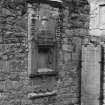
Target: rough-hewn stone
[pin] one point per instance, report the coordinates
(14, 81)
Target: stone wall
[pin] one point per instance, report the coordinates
(14, 80)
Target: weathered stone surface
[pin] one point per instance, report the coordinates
(90, 87)
(14, 81)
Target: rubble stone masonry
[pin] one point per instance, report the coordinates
(14, 79)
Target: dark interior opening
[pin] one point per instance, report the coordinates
(45, 57)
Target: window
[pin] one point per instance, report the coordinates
(102, 16)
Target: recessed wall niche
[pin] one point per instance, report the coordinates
(46, 59)
(44, 27)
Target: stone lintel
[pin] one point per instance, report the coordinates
(53, 3)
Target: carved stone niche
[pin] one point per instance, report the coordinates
(42, 59)
(45, 49)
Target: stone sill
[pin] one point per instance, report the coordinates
(41, 95)
(41, 74)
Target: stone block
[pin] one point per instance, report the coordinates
(14, 77)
